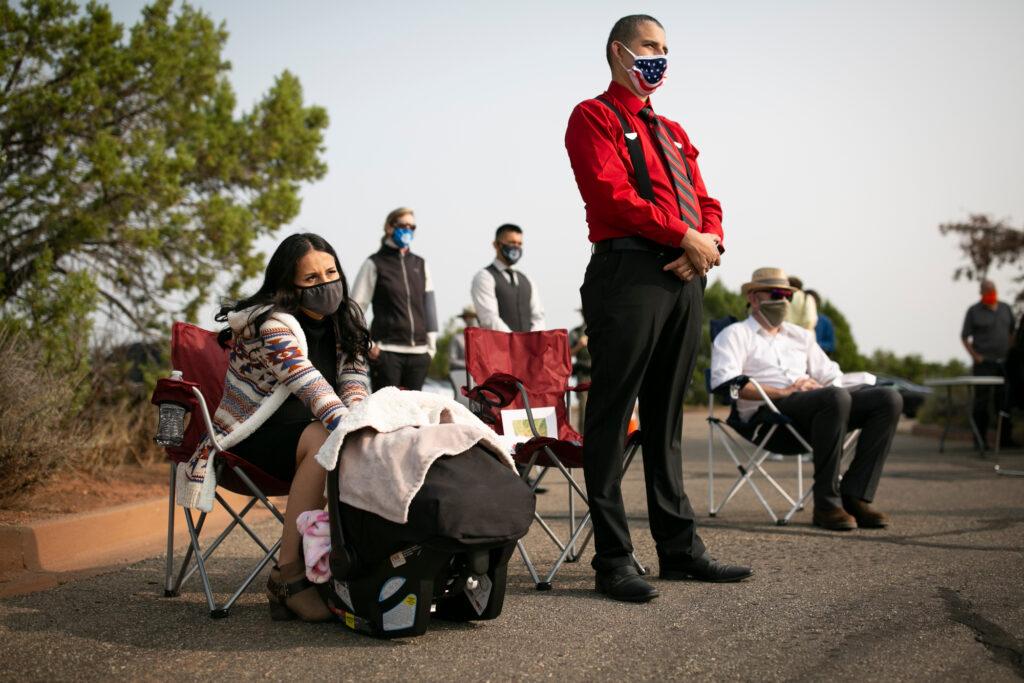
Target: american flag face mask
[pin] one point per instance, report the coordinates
(648, 73)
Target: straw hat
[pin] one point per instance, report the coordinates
(468, 312)
(767, 278)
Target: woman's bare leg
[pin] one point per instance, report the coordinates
(307, 490)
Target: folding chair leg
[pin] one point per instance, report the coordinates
(573, 555)
(796, 508)
(200, 562)
(184, 573)
(800, 480)
(529, 564)
(249, 579)
(169, 591)
(711, 460)
(545, 585)
(223, 534)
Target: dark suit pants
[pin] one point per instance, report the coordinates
(644, 327)
(824, 416)
(405, 370)
(985, 398)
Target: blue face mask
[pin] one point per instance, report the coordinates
(402, 237)
(511, 254)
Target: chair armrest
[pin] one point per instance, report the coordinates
(729, 390)
(497, 391)
(581, 387)
(764, 397)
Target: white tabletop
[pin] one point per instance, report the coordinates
(965, 381)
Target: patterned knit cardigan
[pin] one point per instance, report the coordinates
(264, 368)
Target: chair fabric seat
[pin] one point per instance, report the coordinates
(268, 484)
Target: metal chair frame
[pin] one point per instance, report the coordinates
(568, 548)
(753, 460)
(172, 586)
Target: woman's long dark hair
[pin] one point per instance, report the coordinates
(280, 293)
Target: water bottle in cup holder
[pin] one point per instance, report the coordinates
(170, 429)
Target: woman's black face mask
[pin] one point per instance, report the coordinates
(323, 299)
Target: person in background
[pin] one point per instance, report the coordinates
(397, 284)
(504, 298)
(457, 355)
(987, 335)
(805, 386)
(1015, 371)
(457, 346)
(802, 310)
(580, 365)
(824, 329)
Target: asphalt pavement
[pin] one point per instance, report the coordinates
(937, 596)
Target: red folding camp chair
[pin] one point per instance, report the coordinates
(203, 364)
(530, 371)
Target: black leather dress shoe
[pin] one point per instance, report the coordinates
(624, 583)
(704, 568)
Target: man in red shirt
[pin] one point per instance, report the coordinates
(655, 234)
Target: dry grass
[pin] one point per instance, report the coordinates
(118, 434)
(38, 426)
(43, 429)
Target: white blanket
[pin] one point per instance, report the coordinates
(400, 435)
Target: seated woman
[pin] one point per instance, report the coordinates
(296, 365)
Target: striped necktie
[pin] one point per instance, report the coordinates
(689, 209)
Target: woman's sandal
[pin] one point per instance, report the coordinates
(288, 599)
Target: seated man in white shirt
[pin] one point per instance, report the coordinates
(804, 384)
(504, 298)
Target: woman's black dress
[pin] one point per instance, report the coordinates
(272, 446)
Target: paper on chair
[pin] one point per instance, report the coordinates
(852, 379)
(516, 425)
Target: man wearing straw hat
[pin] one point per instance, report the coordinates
(805, 385)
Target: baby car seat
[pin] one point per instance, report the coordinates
(450, 558)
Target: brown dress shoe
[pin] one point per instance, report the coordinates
(867, 517)
(833, 519)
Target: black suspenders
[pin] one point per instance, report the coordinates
(636, 153)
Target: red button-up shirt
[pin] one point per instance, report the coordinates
(605, 176)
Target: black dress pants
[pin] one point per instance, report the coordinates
(823, 417)
(987, 398)
(644, 327)
(405, 370)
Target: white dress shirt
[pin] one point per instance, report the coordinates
(486, 303)
(362, 293)
(779, 360)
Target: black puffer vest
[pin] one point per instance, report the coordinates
(399, 298)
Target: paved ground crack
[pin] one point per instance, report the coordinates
(1006, 649)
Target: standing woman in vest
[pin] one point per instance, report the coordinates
(397, 284)
(504, 298)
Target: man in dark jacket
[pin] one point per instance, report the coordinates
(987, 335)
(397, 284)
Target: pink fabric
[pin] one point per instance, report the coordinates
(316, 544)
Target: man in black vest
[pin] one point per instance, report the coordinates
(397, 284)
(503, 296)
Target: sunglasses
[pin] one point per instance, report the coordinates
(780, 294)
(407, 226)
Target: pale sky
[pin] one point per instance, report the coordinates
(837, 136)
